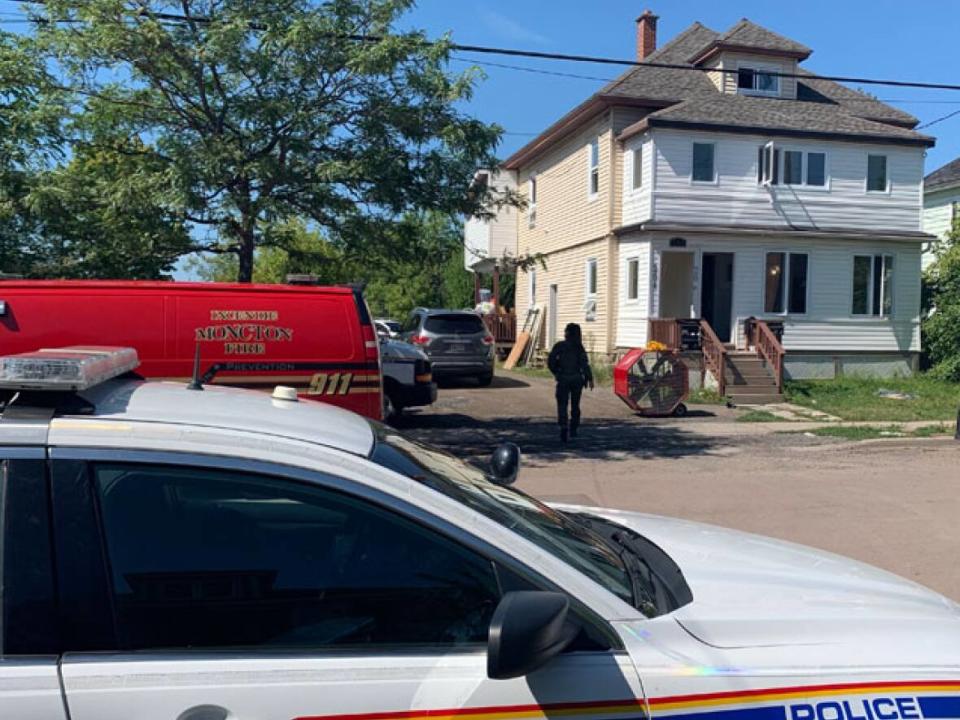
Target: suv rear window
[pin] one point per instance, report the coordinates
(454, 324)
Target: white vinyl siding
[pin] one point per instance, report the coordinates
(496, 237)
(633, 313)
(738, 199)
(636, 205)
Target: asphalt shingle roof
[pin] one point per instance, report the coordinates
(822, 106)
(748, 34)
(946, 176)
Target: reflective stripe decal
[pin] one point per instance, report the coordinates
(616, 708)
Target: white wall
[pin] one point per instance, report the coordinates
(938, 216)
(633, 314)
(737, 198)
(496, 237)
(829, 324)
(637, 204)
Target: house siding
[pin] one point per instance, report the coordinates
(637, 204)
(567, 269)
(633, 314)
(738, 199)
(938, 214)
(727, 81)
(829, 324)
(495, 237)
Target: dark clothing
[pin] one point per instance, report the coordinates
(569, 391)
(570, 366)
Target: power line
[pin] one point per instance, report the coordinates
(939, 120)
(514, 52)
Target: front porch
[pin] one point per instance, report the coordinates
(751, 375)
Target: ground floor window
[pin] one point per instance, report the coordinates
(786, 279)
(873, 285)
(633, 279)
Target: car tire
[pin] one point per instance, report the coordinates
(485, 379)
(392, 409)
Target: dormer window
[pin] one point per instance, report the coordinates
(758, 80)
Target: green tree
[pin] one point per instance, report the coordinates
(102, 215)
(941, 324)
(269, 110)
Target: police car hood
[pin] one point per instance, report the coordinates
(398, 350)
(750, 590)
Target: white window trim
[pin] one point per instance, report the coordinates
(805, 162)
(626, 280)
(866, 176)
(591, 195)
(716, 169)
(586, 279)
(893, 292)
(532, 287)
(763, 68)
(532, 203)
(634, 188)
(786, 286)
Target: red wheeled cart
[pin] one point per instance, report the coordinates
(652, 382)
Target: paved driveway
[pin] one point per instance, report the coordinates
(894, 504)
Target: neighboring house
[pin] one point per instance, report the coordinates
(725, 195)
(941, 203)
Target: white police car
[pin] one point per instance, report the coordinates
(173, 554)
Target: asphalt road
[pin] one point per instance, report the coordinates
(891, 503)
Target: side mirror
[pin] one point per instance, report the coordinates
(528, 629)
(505, 464)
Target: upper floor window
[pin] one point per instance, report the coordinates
(638, 168)
(877, 180)
(790, 167)
(758, 80)
(532, 200)
(873, 285)
(786, 283)
(704, 167)
(593, 168)
(532, 286)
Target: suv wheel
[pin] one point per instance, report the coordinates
(392, 410)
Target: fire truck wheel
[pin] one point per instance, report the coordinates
(680, 410)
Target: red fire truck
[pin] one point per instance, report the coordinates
(320, 340)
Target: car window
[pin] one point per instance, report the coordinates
(454, 324)
(551, 530)
(214, 559)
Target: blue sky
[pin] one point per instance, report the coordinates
(863, 38)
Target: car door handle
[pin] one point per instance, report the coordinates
(206, 712)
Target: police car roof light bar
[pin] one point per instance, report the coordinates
(71, 368)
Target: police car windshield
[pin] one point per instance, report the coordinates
(551, 530)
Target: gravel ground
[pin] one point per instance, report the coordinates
(892, 503)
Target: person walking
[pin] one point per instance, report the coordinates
(570, 367)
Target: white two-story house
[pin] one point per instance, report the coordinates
(720, 181)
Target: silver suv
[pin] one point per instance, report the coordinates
(456, 341)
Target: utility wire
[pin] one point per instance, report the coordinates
(939, 120)
(513, 52)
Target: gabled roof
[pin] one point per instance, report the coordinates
(944, 177)
(678, 97)
(747, 36)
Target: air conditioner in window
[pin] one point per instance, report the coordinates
(590, 310)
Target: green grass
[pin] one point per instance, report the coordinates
(759, 416)
(858, 432)
(602, 372)
(705, 396)
(932, 430)
(853, 398)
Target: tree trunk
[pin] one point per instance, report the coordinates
(245, 254)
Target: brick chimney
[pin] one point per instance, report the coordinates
(646, 34)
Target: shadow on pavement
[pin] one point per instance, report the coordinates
(605, 438)
(499, 383)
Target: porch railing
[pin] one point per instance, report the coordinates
(502, 327)
(714, 356)
(666, 331)
(769, 349)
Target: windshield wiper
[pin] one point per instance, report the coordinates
(640, 574)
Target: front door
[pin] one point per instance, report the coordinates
(261, 597)
(716, 293)
(676, 284)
